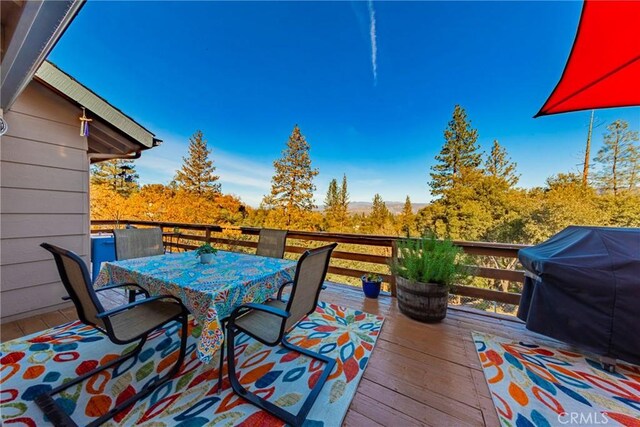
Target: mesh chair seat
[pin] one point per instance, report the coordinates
(122, 325)
(134, 322)
(272, 243)
(269, 322)
(261, 324)
(138, 242)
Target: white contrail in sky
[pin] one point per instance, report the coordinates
(374, 45)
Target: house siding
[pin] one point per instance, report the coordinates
(44, 185)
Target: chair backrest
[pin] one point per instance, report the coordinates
(138, 242)
(75, 278)
(310, 274)
(272, 243)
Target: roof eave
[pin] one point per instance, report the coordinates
(61, 82)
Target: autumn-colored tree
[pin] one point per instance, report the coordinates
(343, 212)
(498, 197)
(230, 209)
(563, 202)
(331, 204)
(621, 211)
(331, 199)
(336, 205)
(292, 184)
(406, 218)
(154, 202)
(618, 159)
(500, 166)
(379, 217)
(633, 171)
(108, 203)
(459, 153)
(197, 174)
(118, 175)
(256, 217)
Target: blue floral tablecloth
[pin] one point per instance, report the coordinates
(209, 291)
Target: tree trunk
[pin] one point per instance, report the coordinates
(614, 172)
(587, 153)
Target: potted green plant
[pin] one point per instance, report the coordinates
(206, 253)
(371, 283)
(424, 269)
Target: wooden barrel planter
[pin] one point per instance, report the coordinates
(426, 302)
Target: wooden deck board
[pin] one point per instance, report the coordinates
(355, 418)
(10, 331)
(418, 375)
(32, 324)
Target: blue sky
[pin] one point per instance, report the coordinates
(371, 85)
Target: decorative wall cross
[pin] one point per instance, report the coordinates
(84, 123)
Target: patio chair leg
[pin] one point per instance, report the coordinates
(221, 364)
(291, 419)
(53, 412)
(59, 418)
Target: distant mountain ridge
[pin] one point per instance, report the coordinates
(394, 207)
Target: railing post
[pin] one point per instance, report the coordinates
(394, 255)
(208, 235)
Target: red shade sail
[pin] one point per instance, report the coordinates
(603, 69)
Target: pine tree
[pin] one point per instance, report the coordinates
(407, 218)
(331, 204)
(459, 153)
(343, 212)
(197, 174)
(336, 205)
(587, 153)
(500, 166)
(456, 179)
(292, 185)
(634, 169)
(332, 195)
(118, 175)
(380, 215)
(617, 158)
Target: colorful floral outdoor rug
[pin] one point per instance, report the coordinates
(39, 362)
(534, 385)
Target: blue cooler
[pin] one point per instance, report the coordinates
(102, 249)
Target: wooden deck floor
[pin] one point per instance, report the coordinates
(419, 374)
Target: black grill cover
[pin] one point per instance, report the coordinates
(587, 289)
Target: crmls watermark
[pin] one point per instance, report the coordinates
(583, 418)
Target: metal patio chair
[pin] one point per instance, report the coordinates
(122, 325)
(269, 322)
(137, 243)
(272, 243)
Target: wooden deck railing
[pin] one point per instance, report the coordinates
(187, 236)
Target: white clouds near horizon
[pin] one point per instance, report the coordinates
(239, 175)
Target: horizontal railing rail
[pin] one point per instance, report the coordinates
(181, 236)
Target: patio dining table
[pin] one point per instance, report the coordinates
(209, 291)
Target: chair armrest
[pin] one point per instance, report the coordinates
(281, 288)
(260, 307)
(129, 306)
